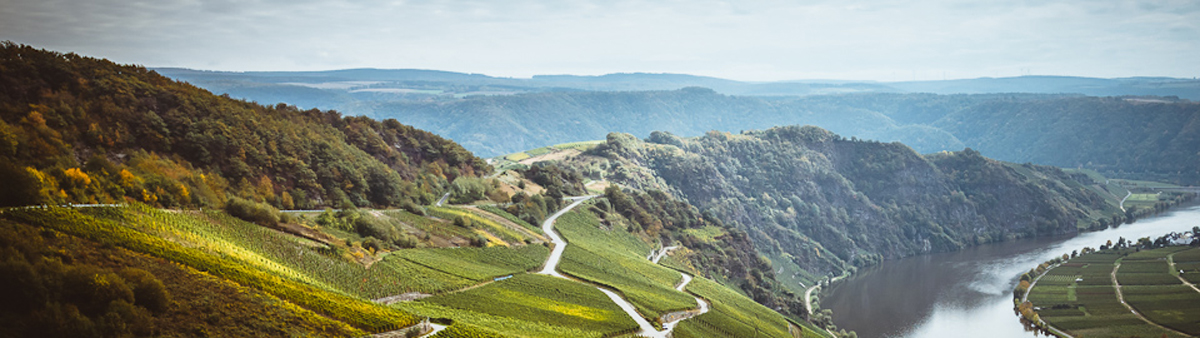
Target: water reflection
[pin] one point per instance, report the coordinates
(966, 293)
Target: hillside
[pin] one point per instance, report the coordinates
(828, 204)
(84, 130)
(139, 206)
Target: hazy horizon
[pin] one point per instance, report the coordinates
(756, 41)
(660, 73)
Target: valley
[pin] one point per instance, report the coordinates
(963, 291)
(135, 205)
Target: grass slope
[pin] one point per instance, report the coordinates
(616, 259)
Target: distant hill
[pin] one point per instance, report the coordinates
(1152, 86)
(451, 84)
(1148, 127)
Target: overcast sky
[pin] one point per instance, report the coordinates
(742, 40)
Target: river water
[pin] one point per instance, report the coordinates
(968, 292)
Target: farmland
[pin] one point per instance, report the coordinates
(1080, 298)
(510, 217)
(500, 235)
(566, 308)
(733, 315)
(131, 228)
(616, 259)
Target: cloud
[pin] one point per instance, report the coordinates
(748, 40)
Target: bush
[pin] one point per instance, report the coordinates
(148, 291)
(372, 244)
(463, 222)
(92, 289)
(258, 213)
(369, 226)
(479, 241)
(412, 207)
(407, 241)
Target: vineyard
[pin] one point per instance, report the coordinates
(615, 259)
(732, 315)
(1079, 296)
(431, 226)
(529, 305)
(119, 227)
(1189, 263)
(294, 269)
(510, 217)
(478, 264)
(491, 227)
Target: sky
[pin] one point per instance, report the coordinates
(748, 40)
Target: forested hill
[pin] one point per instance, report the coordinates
(1148, 136)
(828, 203)
(84, 130)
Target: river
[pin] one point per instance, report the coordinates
(968, 292)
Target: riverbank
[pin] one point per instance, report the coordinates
(1125, 288)
(946, 294)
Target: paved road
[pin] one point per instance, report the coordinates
(436, 328)
(551, 267)
(560, 245)
(663, 252)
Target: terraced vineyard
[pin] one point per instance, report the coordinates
(733, 315)
(615, 259)
(497, 234)
(137, 228)
(478, 264)
(567, 308)
(1079, 296)
(524, 305)
(510, 217)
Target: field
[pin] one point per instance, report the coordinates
(478, 264)
(517, 157)
(497, 233)
(293, 268)
(732, 315)
(563, 308)
(1089, 307)
(510, 217)
(131, 228)
(194, 301)
(1141, 200)
(616, 259)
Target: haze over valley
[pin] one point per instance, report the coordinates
(457, 169)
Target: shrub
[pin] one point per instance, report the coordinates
(258, 213)
(371, 243)
(368, 226)
(148, 291)
(479, 241)
(407, 241)
(463, 222)
(412, 207)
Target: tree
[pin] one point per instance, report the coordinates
(17, 186)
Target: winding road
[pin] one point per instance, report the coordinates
(663, 252)
(560, 246)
